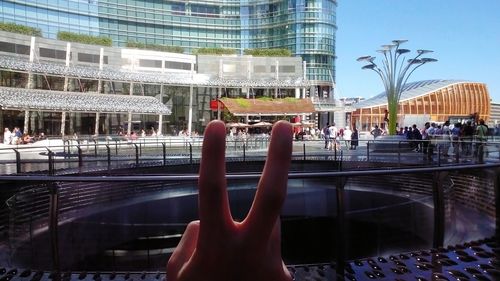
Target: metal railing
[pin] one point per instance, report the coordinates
(106, 154)
(52, 185)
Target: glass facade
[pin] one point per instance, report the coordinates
(305, 27)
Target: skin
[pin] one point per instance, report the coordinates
(218, 248)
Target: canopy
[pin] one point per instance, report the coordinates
(268, 107)
(45, 100)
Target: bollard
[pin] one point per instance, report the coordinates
(116, 147)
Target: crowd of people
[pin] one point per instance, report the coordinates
(335, 137)
(449, 139)
(16, 136)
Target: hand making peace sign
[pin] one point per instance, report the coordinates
(220, 249)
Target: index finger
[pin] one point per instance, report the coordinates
(271, 191)
(213, 200)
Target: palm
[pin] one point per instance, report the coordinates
(217, 247)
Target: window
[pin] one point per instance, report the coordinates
(150, 63)
(51, 53)
(177, 65)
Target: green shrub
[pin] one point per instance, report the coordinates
(85, 39)
(155, 47)
(22, 29)
(268, 52)
(214, 51)
(244, 103)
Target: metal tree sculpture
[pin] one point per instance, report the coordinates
(394, 73)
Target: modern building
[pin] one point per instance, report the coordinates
(430, 100)
(306, 27)
(61, 88)
(495, 114)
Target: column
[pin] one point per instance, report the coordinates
(160, 117)
(68, 57)
(96, 128)
(277, 77)
(129, 125)
(219, 93)
(101, 65)
(26, 121)
(63, 123)
(32, 122)
(190, 109)
(29, 85)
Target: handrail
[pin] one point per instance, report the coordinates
(238, 176)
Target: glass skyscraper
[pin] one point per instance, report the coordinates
(306, 27)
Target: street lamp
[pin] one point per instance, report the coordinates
(394, 73)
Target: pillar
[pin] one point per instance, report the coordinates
(96, 128)
(26, 121)
(190, 110)
(129, 125)
(63, 123)
(101, 65)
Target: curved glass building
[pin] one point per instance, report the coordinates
(306, 27)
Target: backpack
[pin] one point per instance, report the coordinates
(326, 131)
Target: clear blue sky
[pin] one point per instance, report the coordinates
(464, 35)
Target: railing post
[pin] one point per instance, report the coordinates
(51, 161)
(496, 185)
(480, 153)
(116, 147)
(164, 153)
(136, 154)
(95, 147)
(368, 151)
(80, 156)
(108, 151)
(53, 224)
(439, 215)
(18, 161)
(439, 155)
(190, 153)
(304, 150)
(399, 153)
(340, 227)
(244, 152)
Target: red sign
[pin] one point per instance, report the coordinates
(213, 105)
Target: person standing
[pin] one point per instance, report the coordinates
(7, 136)
(326, 134)
(481, 133)
(332, 138)
(354, 138)
(347, 137)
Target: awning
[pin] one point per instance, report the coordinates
(45, 100)
(268, 107)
